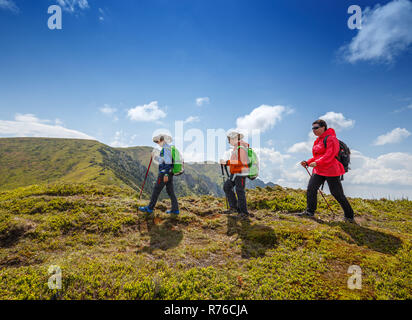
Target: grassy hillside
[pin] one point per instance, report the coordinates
(26, 161)
(108, 251)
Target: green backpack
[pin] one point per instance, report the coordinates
(178, 163)
(253, 163)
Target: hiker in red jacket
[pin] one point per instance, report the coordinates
(326, 167)
(238, 172)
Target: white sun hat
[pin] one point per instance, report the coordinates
(235, 135)
(166, 138)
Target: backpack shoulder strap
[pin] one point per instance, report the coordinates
(324, 141)
(172, 148)
(246, 150)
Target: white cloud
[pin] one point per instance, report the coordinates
(409, 107)
(271, 164)
(9, 5)
(262, 118)
(193, 156)
(102, 14)
(201, 101)
(106, 109)
(28, 118)
(146, 113)
(120, 140)
(302, 147)
(395, 136)
(281, 169)
(28, 125)
(387, 169)
(337, 121)
(334, 120)
(191, 119)
(109, 111)
(294, 177)
(270, 155)
(72, 5)
(386, 32)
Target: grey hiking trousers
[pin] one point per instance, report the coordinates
(170, 191)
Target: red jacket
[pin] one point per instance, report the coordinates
(326, 162)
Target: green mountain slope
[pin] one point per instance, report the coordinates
(106, 250)
(26, 161)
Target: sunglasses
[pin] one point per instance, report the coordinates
(315, 128)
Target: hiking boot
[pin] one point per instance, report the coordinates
(172, 211)
(146, 209)
(349, 220)
(306, 214)
(230, 211)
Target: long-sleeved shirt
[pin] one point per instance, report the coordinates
(165, 159)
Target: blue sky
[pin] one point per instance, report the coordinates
(114, 56)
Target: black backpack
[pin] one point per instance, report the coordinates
(343, 155)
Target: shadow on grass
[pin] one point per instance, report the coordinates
(375, 240)
(162, 234)
(13, 236)
(256, 238)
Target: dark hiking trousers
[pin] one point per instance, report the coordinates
(336, 189)
(238, 204)
(170, 191)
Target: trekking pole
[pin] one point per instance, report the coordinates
(223, 178)
(333, 213)
(141, 190)
(227, 173)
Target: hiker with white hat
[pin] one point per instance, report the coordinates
(238, 164)
(165, 177)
